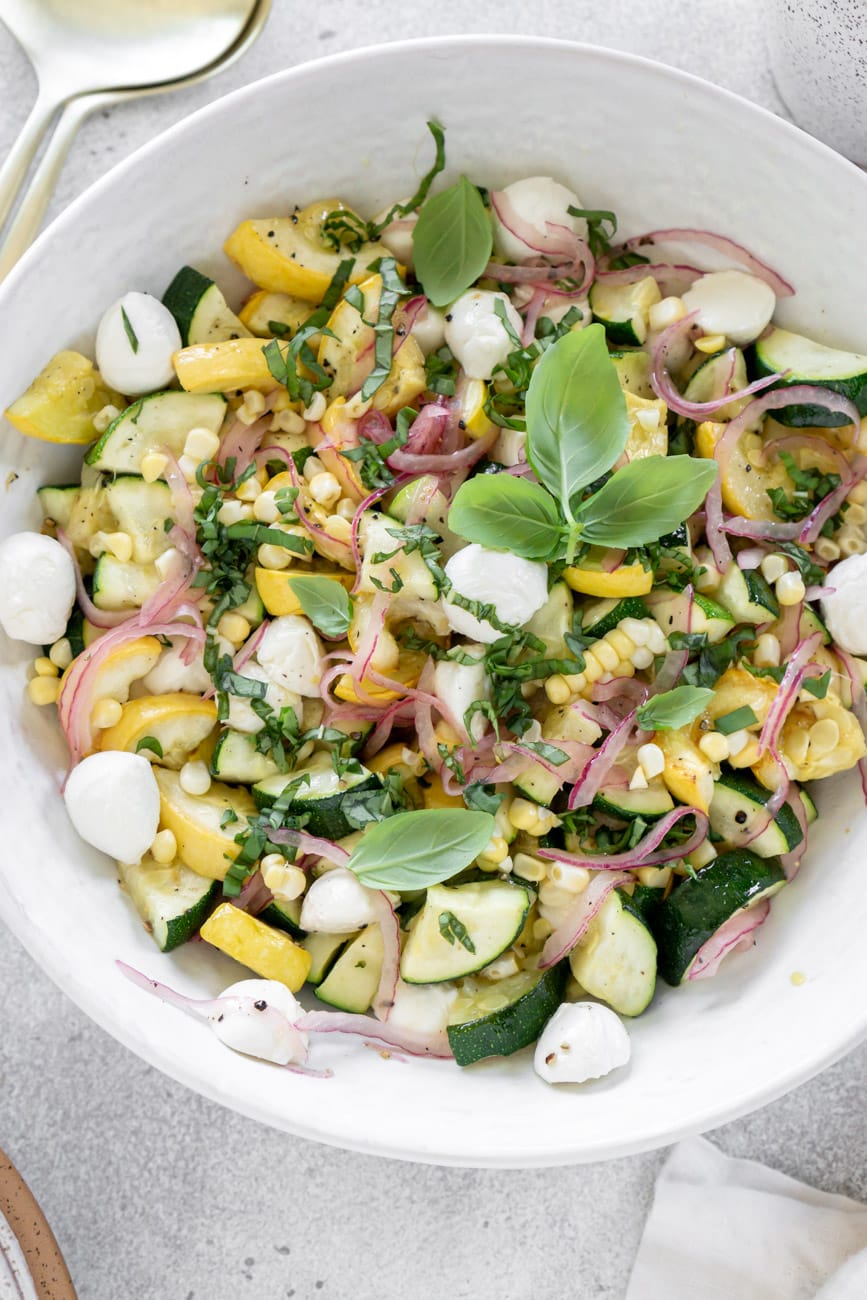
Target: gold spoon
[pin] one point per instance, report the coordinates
(89, 53)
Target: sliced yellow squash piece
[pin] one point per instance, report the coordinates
(204, 845)
(592, 580)
(648, 430)
(688, 775)
(289, 255)
(278, 597)
(224, 367)
(262, 307)
(268, 952)
(60, 404)
(178, 722)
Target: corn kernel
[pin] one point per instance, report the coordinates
(773, 567)
(166, 563)
(767, 652)
(541, 929)
(551, 895)
(265, 508)
(44, 667)
(273, 557)
(737, 740)
(606, 655)
(43, 690)
(153, 464)
(251, 407)
(824, 736)
(642, 657)
(234, 627)
(201, 444)
(652, 760)
(790, 589)
(648, 418)
(60, 653)
(557, 689)
(188, 468)
(636, 629)
(858, 495)
(529, 867)
(851, 542)
(103, 418)
(714, 746)
(665, 313)
(565, 875)
(856, 514)
(523, 814)
(657, 642)
(621, 643)
(797, 745)
(747, 756)
(233, 512)
(638, 781)
(710, 343)
(654, 877)
(502, 967)
(164, 848)
(315, 411)
(826, 548)
(284, 880)
(195, 778)
(312, 466)
(496, 850)
(287, 422)
(249, 489)
(325, 488)
(106, 713)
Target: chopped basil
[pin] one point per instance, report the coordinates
(452, 928)
(151, 743)
(128, 329)
(736, 720)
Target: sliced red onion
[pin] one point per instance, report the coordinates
(797, 669)
(412, 311)
(647, 852)
(375, 426)
(241, 441)
(733, 935)
(389, 927)
(254, 896)
(663, 384)
(405, 1040)
(250, 646)
(791, 861)
(554, 241)
(859, 705)
(751, 557)
(715, 526)
(675, 661)
(577, 921)
(721, 243)
(672, 277)
(592, 779)
(444, 464)
(183, 506)
(315, 845)
(338, 550)
(623, 693)
(794, 394)
(788, 629)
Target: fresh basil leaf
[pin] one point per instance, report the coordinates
(673, 708)
(151, 743)
(645, 499)
(326, 603)
(727, 723)
(484, 798)
(507, 514)
(551, 753)
(415, 849)
(817, 686)
(577, 426)
(452, 242)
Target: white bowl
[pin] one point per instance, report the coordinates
(662, 149)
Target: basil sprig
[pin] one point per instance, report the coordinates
(325, 602)
(451, 242)
(412, 850)
(577, 429)
(674, 708)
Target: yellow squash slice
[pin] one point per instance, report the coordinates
(60, 404)
(178, 722)
(204, 845)
(268, 952)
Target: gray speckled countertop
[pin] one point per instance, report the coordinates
(157, 1194)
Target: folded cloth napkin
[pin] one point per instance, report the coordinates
(726, 1229)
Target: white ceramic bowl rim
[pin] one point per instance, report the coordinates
(110, 1008)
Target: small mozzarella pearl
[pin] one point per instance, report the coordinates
(142, 363)
(114, 803)
(37, 588)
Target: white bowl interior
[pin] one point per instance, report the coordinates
(661, 149)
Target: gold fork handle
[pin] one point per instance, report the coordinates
(23, 151)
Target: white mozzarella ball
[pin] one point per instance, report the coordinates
(458, 685)
(37, 588)
(476, 334)
(843, 610)
(422, 1008)
(536, 200)
(582, 1040)
(170, 673)
(516, 588)
(291, 654)
(137, 359)
(242, 715)
(429, 330)
(733, 303)
(261, 1024)
(337, 903)
(114, 803)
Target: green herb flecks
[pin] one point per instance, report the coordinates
(287, 361)
(129, 331)
(453, 929)
(151, 743)
(737, 720)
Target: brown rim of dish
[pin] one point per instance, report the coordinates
(41, 1251)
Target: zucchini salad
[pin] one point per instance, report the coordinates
(456, 626)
